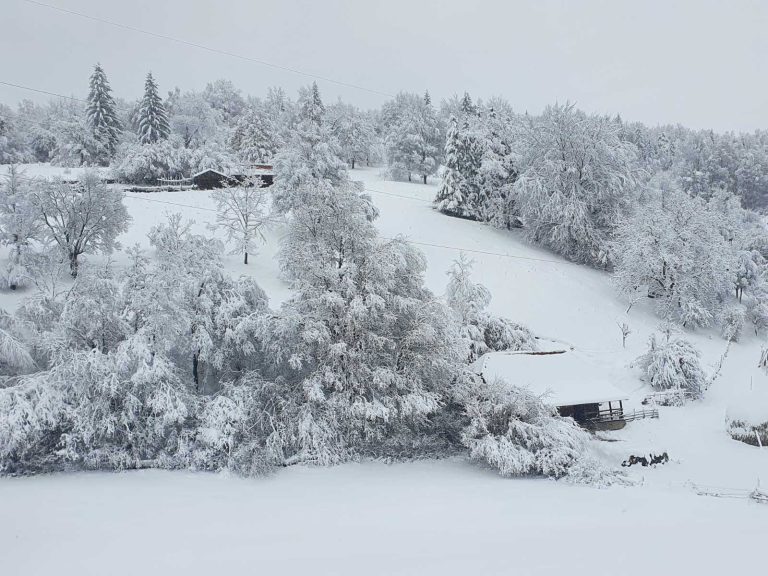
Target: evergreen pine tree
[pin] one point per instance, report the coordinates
(498, 172)
(153, 119)
(467, 107)
(450, 198)
(101, 111)
(469, 159)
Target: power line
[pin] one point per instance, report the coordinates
(207, 48)
(398, 195)
(39, 91)
(409, 241)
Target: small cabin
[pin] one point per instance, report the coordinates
(565, 379)
(211, 179)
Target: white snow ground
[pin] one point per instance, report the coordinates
(430, 517)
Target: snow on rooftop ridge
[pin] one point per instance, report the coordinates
(208, 170)
(562, 377)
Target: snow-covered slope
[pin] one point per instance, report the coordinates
(437, 518)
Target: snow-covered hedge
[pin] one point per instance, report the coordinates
(748, 433)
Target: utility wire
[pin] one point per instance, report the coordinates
(407, 240)
(206, 48)
(39, 91)
(416, 242)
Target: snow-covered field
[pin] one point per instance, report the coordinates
(430, 517)
(372, 519)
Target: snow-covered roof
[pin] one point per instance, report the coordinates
(562, 379)
(208, 170)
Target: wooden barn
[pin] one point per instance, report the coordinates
(565, 379)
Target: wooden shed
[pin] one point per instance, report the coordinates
(210, 179)
(565, 379)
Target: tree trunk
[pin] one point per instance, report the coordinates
(424, 176)
(245, 258)
(17, 258)
(409, 176)
(353, 163)
(195, 374)
(73, 264)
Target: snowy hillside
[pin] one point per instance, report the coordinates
(440, 517)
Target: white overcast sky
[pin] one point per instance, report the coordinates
(702, 63)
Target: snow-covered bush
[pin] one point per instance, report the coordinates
(502, 334)
(516, 433)
(732, 323)
(123, 409)
(240, 428)
(673, 364)
(15, 357)
(748, 433)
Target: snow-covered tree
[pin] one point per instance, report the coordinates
(76, 144)
(137, 163)
(152, 117)
(673, 364)
(671, 250)
(222, 95)
(92, 317)
(254, 139)
(576, 178)
(498, 171)
(241, 212)
(354, 131)
(480, 331)
(364, 347)
(311, 160)
(101, 111)
(412, 136)
(12, 146)
(450, 196)
(80, 218)
(19, 225)
(193, 119)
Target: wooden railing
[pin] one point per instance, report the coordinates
(617, 415)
